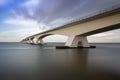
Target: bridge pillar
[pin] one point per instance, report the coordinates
(75, 41)
(30, 40)
(39, 41)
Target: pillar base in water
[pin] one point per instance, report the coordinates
(67, 47)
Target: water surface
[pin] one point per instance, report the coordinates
(34, 62)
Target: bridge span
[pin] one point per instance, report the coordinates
(78, 31)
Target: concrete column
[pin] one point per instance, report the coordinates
(39, 41)
(75, 41)
(30, 40)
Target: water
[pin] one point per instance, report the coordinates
(34, 62)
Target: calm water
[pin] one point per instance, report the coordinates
(33, 62)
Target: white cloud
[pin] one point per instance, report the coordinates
(103, 34)
(21, 21)
(28, 28)
(31, 3)
(56, 38)
(18, 34)
(111, 36)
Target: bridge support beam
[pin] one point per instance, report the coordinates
(75, 41)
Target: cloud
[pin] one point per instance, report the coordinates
(29, 8)
(27, 28)
(30, 3)
(17, 34)
(110, 36)
(35, 16)
(21, 21)
(103, 34)
(25, 22)
(52, 13)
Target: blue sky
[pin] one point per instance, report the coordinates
(22, 18)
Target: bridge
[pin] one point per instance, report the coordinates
(78, 31)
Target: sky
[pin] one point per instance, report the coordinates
(22, 18)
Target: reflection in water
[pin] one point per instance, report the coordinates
(47, 63)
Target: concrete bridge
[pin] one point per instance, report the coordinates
(78, 31)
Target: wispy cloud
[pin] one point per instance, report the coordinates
(17, 34)
(31, 3)
(110, 36)
(29, 27)
(54, 13)
(21, 21)
(38, 15)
